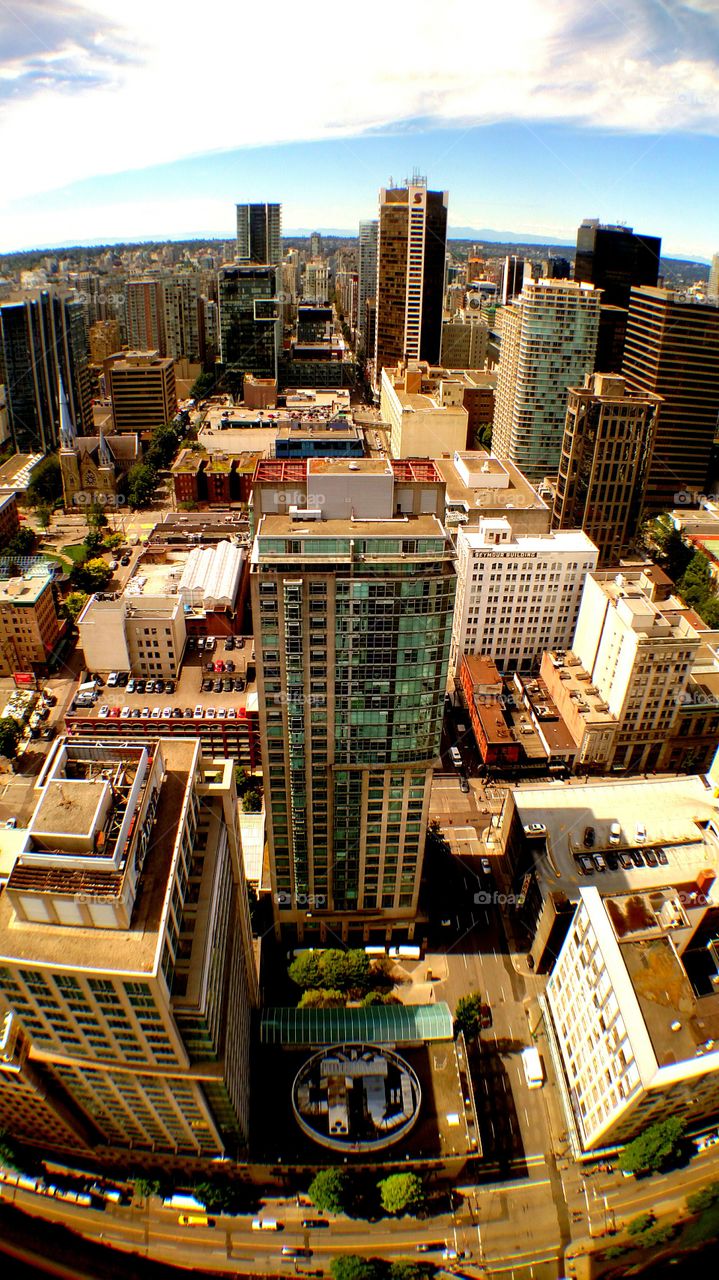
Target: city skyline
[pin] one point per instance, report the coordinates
(571, 117)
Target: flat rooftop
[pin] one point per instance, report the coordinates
(676, 813)
(518, 494)
(415, 470)
(349, 466)
(17, 471)
(27, 587)
(677, 1021)
(132, 950)
(283, 526)
(578, 686)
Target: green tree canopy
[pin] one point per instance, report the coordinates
(22, 543)
(9, 737)
(96, 518)
(332, 1191)
(354, 1267)
(141, 482)
(46, 481)
(468, 1014)
(642, 1222)
(93, 575)
(75, 603)
(401, 1193)
(202, 386)
(305, 970)
(252, 802)
(146, 1186)
(324, 999)
(654, 1148)
(220, 1196)
(704, 1198)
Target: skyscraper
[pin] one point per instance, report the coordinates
(352, 597)
(614, 259)
(126, 956)
(548, 343)
(181, 316)
(250, 319)
(367, 274)
(672, 350)
(411, 248)
(43, 341)
(145, 316)
(605, 458)
(259, 233)
(713, 284)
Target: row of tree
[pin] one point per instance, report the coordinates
(331, 977)
(142, 478)
(350, 1192)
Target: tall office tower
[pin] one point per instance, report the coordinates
(556, 268)
(250, 319)
(259, 233)
(145, 316)
(126, 956)
(411, 248)
(181, 316)
(367, 274)
(713, 285)
(606, 453)
(352, 597)
(548, 342)
(42, 341)
(465, 341)
(315, 244)
(614, 259)
(104, 338)
(514, 272)
(142, 389)
(209, 332)
(316, 281)
(672, 350)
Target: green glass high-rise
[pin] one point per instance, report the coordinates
(353, 621)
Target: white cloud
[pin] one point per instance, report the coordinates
(155, 82)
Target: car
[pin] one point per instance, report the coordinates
(125, 713)
(650, 858)
(636, 857)
(626, 861)
(485, 1017)
(169, 686)
(219, 665)
(231, 713)
(612, 861)
(217, 686)
(140, 686)
(706, 1141)
(229, 643)
(663, 859)
(195, 1220)
(156, 713)
(150, 686)
(589, 837)
(207, 686)
(586, 865)
(132, 686)
(49, 697)
(599, 863)
(456, 757)
(209, 666)
(615, 833)
(463, 783)
(229, 666)
(122, 678)
(535, 829)
(449, 1253)
(486, 868)
(167, 713)
(104, 713)
(114, 565)
(312, 1224)
(177, 713)
(125, 560)
(187, 713)
(192, 642)
(114, 713)
(210, 643)
(226, 686)
(266, 1224)
(145, 713)
(289, 1251)
(199, 712)
(641, 833)
(135, 713)
(240, 684)
(48, 733)
(112, 680)
(200, 643)
(222, 713)
(240, 642)
(210, 713)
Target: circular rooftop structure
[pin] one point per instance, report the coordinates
(356, 1097)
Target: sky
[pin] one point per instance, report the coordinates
(150, 119)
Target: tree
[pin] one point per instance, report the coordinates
(379, 997)
(642, 1222)
(483, 436)
(357, 964)
(410, 1271)
(305, 970)
(147, 1186)
(9, 1152)
(22, 543)
(252, 802)
(75, 603)
(333, 969)
(468, 1014)
(44, 515)
(324, 999)
(653, 1148)
(220, 1196)
(141, 482)
(96, 518)
(332, 1191)
(93, 541)
(9, 737)
(353, 1267)
(401, 1193)
(704, 1198)
(91, 576)
(46, 482)
(202, 386)
(111, 541)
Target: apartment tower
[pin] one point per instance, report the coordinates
(259, 233)
(43, 341)
(411, 250)
(352, 596)
(145, 316)
(548, 344)
(614, 259)
(605, 458)
(672, 351)
(368, 232)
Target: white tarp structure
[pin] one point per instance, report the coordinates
(211, 576)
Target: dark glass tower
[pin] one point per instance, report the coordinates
(43, 340)
(250, 320)
(614, 259)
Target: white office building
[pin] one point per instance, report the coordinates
(517, 596)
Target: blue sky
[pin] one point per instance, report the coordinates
(532, 118)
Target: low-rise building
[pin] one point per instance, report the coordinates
(31, 630)
(423, 424)
(482, 487)
(482, 692)
(213, 479)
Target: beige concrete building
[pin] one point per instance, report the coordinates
(465, 341)
(104, 339)
(481, 487)
(126, 958)
(422, 425)
(30, 628)
(142, 389)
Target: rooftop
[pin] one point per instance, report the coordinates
(418, 470)
(284, 526)
(17, 471)
(26, 587)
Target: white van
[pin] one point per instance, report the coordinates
(456, 757)
(266, 1224)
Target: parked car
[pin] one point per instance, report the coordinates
(132, 686)
(104, 712)
(207, 685)
(200, 643)
(169, 686)
(217, 686)
(485, 865)
(663, 859)
(626, 861)
(599, 862)
(535, 829)
(135, 713)
(125, 560)
(177, 713)
(229, 643)
(586, 865)
(612, 861)
(239, 685)
(167, 713)
(615, 833)
(210, 643)
(145, 713)
(226, 686)
(650, 858)
(229, 666)
(125, 713)
(122, 678)
(311, 1224)
(636, 857)
(210, 713)
(199, 712)
(187, 713)
(114, 713)
(156, 713)
(589, 837)
(219, 665)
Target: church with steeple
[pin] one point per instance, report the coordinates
(93, 467)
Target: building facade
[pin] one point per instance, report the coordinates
(250, 320)
(465, 341)
(368, 232)
(352, 616)
(43, 342)
(422, 423)
(604, 462)
(548, 344)
(142, 390)
(30, 628)
(411, 249)
(145, 316)
(614, 259)
(259, 233)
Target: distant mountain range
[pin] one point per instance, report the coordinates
(453, 233)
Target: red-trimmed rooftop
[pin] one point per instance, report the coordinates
(278, 470)
(416, 469)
